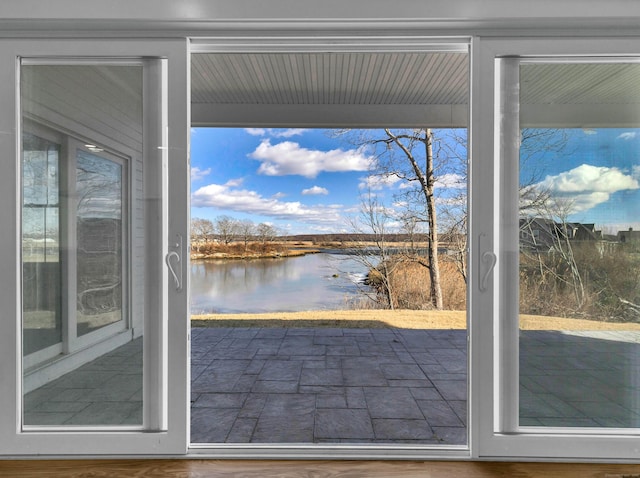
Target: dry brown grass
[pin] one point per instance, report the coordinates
(405, 319)
(252, 250)
(409, 282)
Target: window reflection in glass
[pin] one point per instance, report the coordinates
(579, 288)
(99, 239)
(41, 244)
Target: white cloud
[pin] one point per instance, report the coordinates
(315, 190)
(197, 173)
(378, 182)
(587, 186)
(226, 196)
(276, 133)
(452, 181)
(288, 158)
(234, 183)
(288, 133)
(627, 136)
(589, 131)
(256, 131)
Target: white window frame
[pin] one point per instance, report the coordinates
(166, 141)
(496, 430)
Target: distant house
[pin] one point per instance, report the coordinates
(628, 236)
(543, 234)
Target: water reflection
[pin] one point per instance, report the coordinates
(312, 282)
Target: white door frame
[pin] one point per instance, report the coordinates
(166, 380)
(495, 383)
(309, 117)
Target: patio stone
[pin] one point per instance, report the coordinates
(255, 366)
(404, 371)
(363, 377)
(384, 402)
(211, 425)
(401, 429)
(321, 377)
(287, 405)
(47, 418)
(242, 430)
(253, 406)
(104, 413)
(275, 386)
(428, 393)
(321, 389)
(281, 370)
(451, 435)
(271, 332)
(410, 383)
(355, 397)
(275, 429)
(460, 408)
(343, 423)
(209, 381)
(245, 383)
(452, 389)
(439, 414)
(331, 401)
(220, 400)
(294, 385)
(59, 407)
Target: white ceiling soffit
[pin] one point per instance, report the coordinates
(364, 89)
(584, 94)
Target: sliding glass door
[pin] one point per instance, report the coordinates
(566, 371)
(93, 220)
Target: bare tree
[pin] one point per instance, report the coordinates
(266, 232)
(227, 229)
(202, 229)
(536, 144)
(556, 211)
(246, 230)
(373, 223)
(415, 164)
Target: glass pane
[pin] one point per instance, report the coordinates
(82, 341)
(40, 245)
(99, 237)
(579, 245)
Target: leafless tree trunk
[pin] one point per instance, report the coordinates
(246, 230)
(426, 179)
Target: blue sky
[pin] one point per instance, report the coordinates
(308, 181)
(301, 180)
(598, 170)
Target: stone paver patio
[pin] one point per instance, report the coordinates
(322, 385)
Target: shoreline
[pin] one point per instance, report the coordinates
(195, 256)
(407, 319)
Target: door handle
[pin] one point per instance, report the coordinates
(177, 255)
(487, 262)
(167, 259)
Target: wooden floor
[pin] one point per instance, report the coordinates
(315, 469)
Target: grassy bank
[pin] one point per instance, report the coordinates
(406, 319)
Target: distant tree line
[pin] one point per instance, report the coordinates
(226, 230)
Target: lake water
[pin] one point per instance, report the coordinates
(275, 285)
